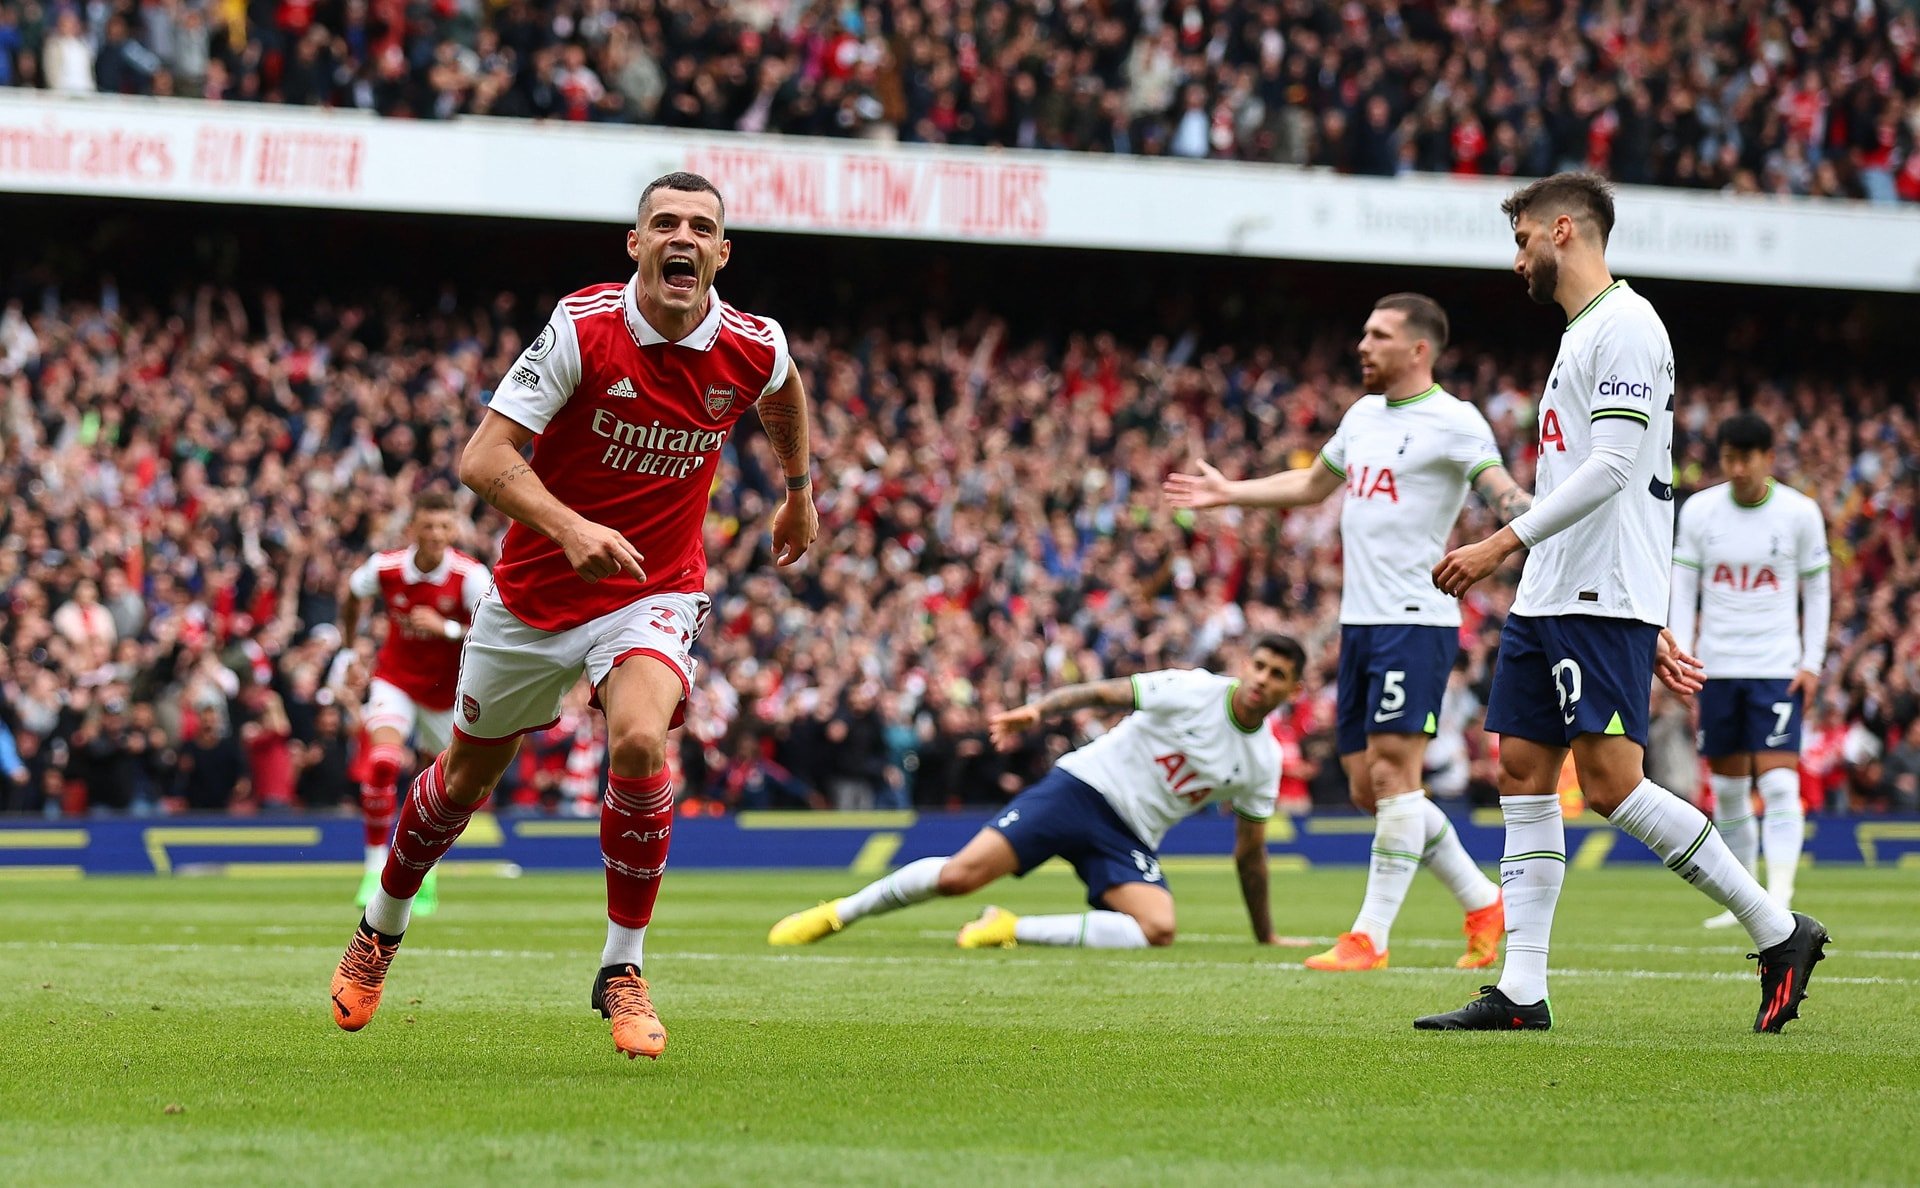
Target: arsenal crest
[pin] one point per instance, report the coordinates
(719, 400)
(469, 708)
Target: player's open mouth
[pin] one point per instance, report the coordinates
(678, 274)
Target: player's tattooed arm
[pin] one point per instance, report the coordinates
(1006, 727)
(783, 417)
(1250, 862)
(1500, 492)
(492, 466)
(499, 482)
(1115, 694)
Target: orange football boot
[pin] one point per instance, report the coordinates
(361, 975)
(1353, 952)
(620, 994)
(1484, 929)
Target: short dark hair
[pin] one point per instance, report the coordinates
(432, 501)
(689, 183)
(1582, 195)
(1284, 646)
(1745, 431)
(1424, 316)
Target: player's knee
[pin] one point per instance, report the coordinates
(637, 751)
(1604, 792)
(383, 767)
(959, 878)
(1516, 779)
(1159, 932)
(1384, 778)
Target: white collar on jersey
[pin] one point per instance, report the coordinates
(701, 339)
(411, 570)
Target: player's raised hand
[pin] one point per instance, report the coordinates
(427, 620)
(1206, 489)
(1006, 727)
(796, 524)
(597, 552)
(1677, 670)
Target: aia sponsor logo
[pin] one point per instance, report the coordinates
(1745, 578)
(720, 398)
(1369, 482)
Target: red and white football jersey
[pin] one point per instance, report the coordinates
(424, 666)
(630, 428)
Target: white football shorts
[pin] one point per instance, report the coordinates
(388, 707)
(513, 677)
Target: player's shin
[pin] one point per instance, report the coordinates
(379, 799)
(1783, 832)
(1091, 930)
(1450, 863)
(636, 827)
(1686, 841)
(430, 822)
(1532, 870)
(1398, 838)
(916, 882)
(1733, 817)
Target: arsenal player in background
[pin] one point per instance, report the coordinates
(429, 592)
(626, 397)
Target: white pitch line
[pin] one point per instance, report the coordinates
(1433, 943)
(1107, 960)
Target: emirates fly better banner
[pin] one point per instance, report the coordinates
(192, 151)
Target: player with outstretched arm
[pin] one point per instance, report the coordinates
(1406, 455)
(1193, 738)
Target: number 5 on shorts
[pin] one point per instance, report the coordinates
(1393, 695)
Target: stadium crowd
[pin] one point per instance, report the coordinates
(1747, 96)
(184, 489)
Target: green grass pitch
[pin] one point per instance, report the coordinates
(176, 1031)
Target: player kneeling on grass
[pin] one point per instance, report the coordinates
(1193, 738)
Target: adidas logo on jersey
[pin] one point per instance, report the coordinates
(621, 387)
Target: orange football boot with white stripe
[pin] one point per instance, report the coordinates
(1484, 929)
(1352, 953)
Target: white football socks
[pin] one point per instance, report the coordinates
(1686, 841)
(1531, 873)
(376, 856)
(388, 915)
(916, 882)
(1399, 835)
(1450, 862)
(1092, 930)
(625, 946)
(1733, 817)
(1783, 831)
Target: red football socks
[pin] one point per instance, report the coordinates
(636, 825)
(429, 825)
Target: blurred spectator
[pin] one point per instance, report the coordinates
(183, 487)
(1744, 96)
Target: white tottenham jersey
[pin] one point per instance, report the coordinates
(1408, 464)
(1180, 749)
(1615, 361)
(1751, 561)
